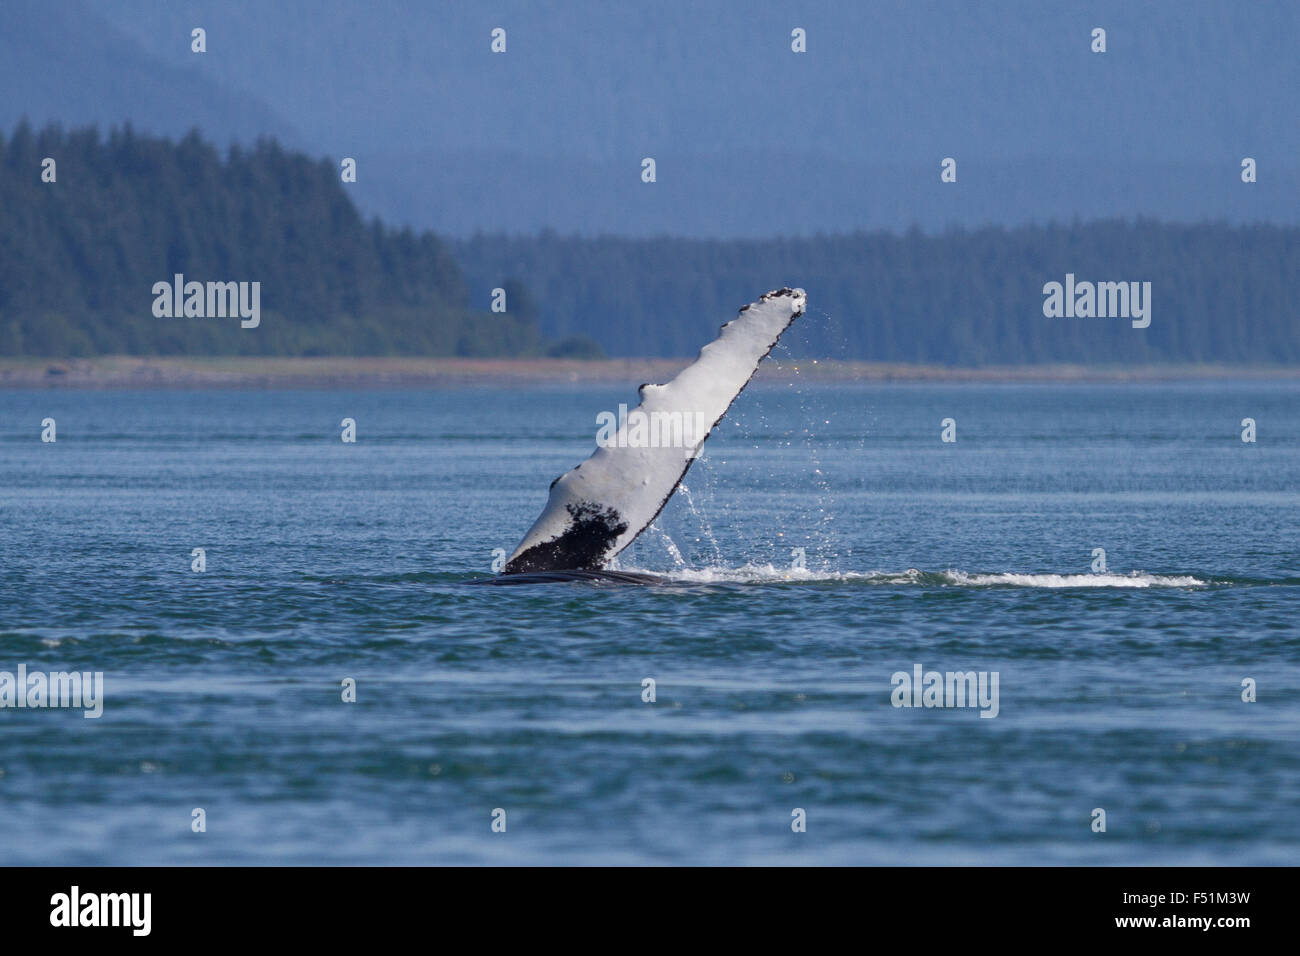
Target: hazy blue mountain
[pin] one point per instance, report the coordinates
(62, 61)
(750, 138)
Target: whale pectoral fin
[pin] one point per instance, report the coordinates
(596, 511)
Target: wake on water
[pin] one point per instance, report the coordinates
(770, 574)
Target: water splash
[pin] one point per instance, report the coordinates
(706, 529)
(656, 533)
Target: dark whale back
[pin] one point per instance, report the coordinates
(592, 577)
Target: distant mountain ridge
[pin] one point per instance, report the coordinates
(64, 62)
(845, 137)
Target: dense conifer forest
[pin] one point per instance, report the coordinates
(80, 256)
(967, 298)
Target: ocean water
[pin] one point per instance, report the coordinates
(325, 561)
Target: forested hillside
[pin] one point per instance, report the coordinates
(1218, 293)
(79, 255)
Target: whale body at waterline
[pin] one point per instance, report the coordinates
(600, 507)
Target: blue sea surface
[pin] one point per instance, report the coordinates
(1119, 690)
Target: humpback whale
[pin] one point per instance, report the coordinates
(600, 507)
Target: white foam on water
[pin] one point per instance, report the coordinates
(1134, 579)
(769, 574)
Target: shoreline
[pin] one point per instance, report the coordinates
(240, 372)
